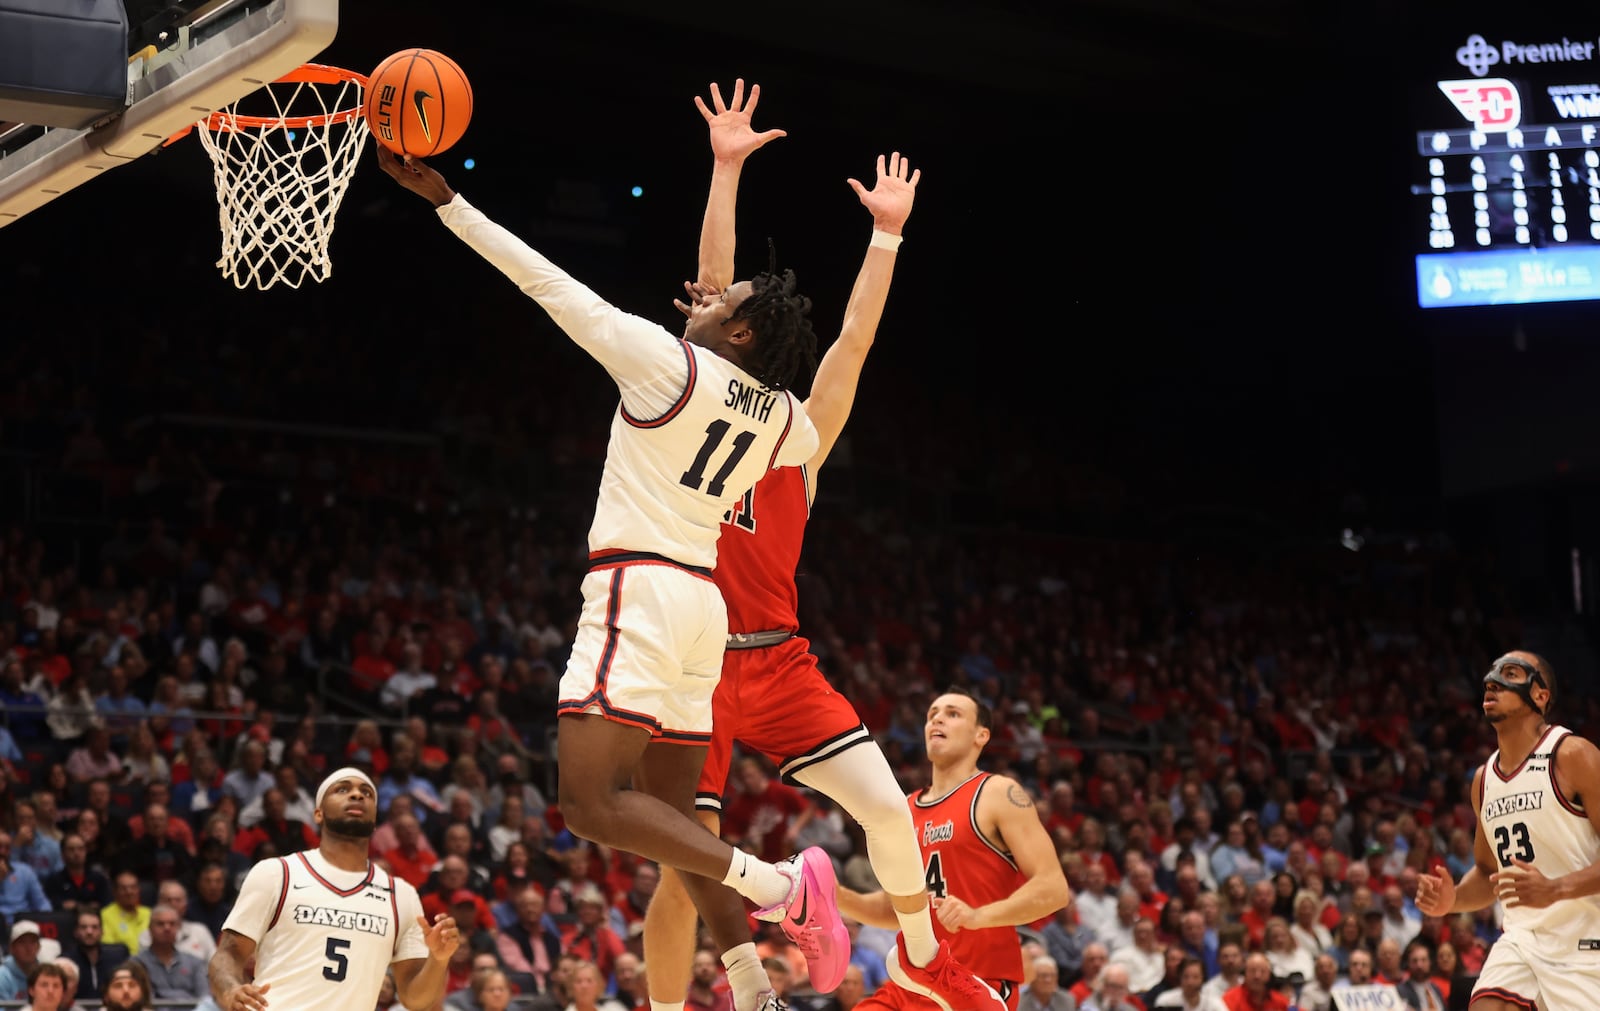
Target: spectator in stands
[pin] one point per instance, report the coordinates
(1308, 931)
(24, 707)
(94, 959)
(1418, 989)
(69, 972)
(408, 683)
(194, 937)
(48, 810)
(458, 846)
(491, 990)
(174, 974)
(1113, 992)
(764, 815)
(1255, 993)
(1288, 959)
(249, 779)
(47, 988)
(1095, 957)
(120, 710)
(409, 858)
(589, 936)
(1065, 939)
(530, 946)
(629, 907)
(704, 995)
(31, 846)
(212, 899)
(460, 812)
(157, 855)
(114, 834)
(1144, 957)
(216, 847)
(1399, 922)
(1230, 970)
(1044, 992)
(449, 880)
(128, 989)
(1388, 962)
(402, 778)
(70, 715)
(507, 828)
(1317, 994)
(142, 761)
(76, 885)
(169, 715)
(93, 758)
(196, 798)
(1255, 916)
(631, 989)
(23, 958)
(198, 644)
(20, 890)
(179, 831)
(125, 919)
(1233, 856)
(287, 835)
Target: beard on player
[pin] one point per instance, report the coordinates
(350, 828)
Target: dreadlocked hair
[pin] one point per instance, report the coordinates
(786, 346)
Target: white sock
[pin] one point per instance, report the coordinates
(661, 1005)
(747, 977)
(757, 880)
(917, 929)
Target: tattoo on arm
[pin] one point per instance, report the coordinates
(1018, 796)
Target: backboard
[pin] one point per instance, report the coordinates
(215, 52)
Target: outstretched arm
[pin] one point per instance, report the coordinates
(833, 389)
(732, 141)
(644, 358)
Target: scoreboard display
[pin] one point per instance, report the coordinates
(1505, 182)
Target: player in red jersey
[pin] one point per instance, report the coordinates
(772, 696)
(991, 865)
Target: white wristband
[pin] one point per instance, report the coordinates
(883, 240)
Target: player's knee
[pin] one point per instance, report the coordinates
(585, 807)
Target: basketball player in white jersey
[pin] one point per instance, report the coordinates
(1537, 848)
(700, 421)
(324, 925)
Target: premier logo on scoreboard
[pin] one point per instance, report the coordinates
(1478, 56)
(1492, 104)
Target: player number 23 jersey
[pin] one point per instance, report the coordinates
(1526, 817)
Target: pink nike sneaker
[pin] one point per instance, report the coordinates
(944, 981)
(810, 917)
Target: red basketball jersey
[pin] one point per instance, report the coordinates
(963, 862)
(759, 551)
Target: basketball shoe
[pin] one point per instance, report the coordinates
(810, 917)
(944, 981)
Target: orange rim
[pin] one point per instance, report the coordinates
(309, 73)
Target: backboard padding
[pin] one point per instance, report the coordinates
(184, 88)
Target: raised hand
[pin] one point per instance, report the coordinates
(699, 294)
(443, 938)
(732, 137)
(415, 176)
(892, 194)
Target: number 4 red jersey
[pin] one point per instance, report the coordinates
(759, 551)
(963, 862)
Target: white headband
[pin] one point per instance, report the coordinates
(348, 772)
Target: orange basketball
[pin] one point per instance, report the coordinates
(418, 102)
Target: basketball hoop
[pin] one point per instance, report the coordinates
(281, 175)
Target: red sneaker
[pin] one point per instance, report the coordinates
(944, 981)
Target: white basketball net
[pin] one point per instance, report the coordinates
(279, 186)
